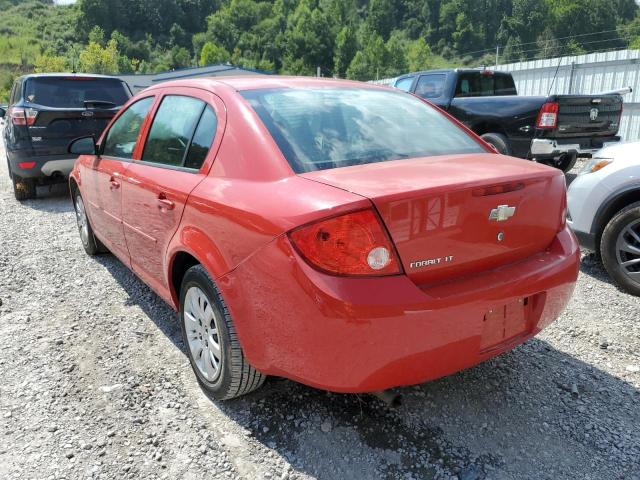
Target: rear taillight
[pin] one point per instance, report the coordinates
(563, 211)
(23, 116)
(548, 116)
(351, 244)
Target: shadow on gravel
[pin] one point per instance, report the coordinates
(530, 410)
(592, 266)
(51, 199)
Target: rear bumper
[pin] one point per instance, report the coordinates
(44, 166)
(360, 335)
(586, 240)
(552, 148)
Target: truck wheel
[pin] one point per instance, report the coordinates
(620, 248)
(566, 162)
(23, 188)
(499, 141)
(211, 340)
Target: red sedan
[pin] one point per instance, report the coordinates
(347, 236)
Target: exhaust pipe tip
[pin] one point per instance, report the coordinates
(392, 399)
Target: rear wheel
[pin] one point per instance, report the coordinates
(566, 162)
(91, 244)
(211, 341)
(23, 188)
(620, 248)
(499, 142)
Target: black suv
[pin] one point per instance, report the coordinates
(46, 112)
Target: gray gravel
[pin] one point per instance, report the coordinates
(95, 384)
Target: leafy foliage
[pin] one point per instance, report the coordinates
(361, 39)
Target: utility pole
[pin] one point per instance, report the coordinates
(497, 54)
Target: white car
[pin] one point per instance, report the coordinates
(604, 211)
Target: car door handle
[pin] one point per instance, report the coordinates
(165, 204)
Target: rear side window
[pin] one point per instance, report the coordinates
(202, 139)
(123, 134)
(16, 95)
(479, 84)
(322, 128)
(76, 92)
(172, 130)
(404, 84)
(503, 85)
(431, 86)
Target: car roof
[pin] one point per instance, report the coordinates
(251, 82)
(67, 75)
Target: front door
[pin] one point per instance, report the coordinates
(157, 186)
(106, 173)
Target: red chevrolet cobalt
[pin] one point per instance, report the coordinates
(344, 235)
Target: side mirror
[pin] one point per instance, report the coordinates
(84, 146)
(3, 111)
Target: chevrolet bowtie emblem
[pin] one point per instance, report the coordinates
(502, 213)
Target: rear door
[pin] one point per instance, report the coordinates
(103, 176)
(176, 157)
(67, 107)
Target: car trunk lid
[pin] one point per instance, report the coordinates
(454, 215)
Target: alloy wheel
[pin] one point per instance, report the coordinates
(81, 218)
(201, 325)
(628, 250)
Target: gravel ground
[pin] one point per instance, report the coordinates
(95, 383)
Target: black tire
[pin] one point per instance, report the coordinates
(566, 162)
(235, 376)
(23, 188)
(611, 255)
(499, 141)
(91, 244)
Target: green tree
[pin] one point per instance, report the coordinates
(419, 56)
(345, 49)
(49, 62)
(96, 35)
(212, 54)
(97, 59)
(371, 61)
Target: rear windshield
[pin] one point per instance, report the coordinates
(321, 128)
(73, 92)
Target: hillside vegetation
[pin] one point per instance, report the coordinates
(347, 38)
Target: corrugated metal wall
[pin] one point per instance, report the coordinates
(592, 73)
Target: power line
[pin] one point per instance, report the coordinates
(562, 52)
(492, 49)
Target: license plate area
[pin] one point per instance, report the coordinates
(503, 323)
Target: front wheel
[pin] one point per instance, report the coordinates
(620, 248)
(91, 244)
(211, 341)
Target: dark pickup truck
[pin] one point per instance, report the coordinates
(552, 130)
